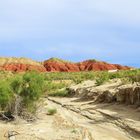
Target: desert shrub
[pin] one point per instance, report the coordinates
(51, 111)
(6, 95)
(32, 86)
(16, 84)
(21, 90)
(29, 87)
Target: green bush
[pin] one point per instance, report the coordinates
(16, 84)
(6, 95)
(28, 87)
(51, 111)
(33, 86)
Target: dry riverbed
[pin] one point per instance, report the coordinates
(47, 127)
(77, 121)
(102, 121)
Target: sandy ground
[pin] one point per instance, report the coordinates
(103, 121)
(47, 127)
(77, 121)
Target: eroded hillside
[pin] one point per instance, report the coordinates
(20, 64)
(55, 65)
(58, 65)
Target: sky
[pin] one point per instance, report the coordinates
(74, 30)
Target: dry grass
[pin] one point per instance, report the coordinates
(53, 59)
(9, 60)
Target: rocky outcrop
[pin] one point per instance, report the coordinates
(109, 92)
(129, 94)
(58, 65)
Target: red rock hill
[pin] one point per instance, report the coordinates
(58, 65)
(93, 65)
(20, 65)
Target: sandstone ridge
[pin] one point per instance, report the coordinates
(20, 65)
(56, 65)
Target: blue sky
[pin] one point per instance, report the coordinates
(75, 30)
